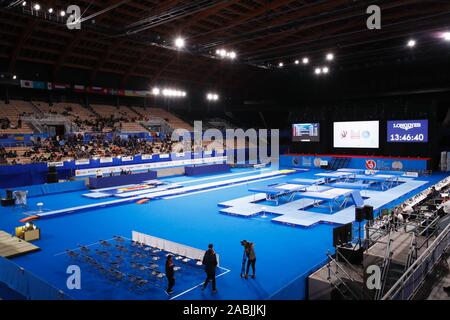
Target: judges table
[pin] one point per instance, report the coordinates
(28, 234)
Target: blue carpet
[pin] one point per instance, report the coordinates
(283, 253)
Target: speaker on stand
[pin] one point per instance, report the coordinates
(52, 175)
(359, 217)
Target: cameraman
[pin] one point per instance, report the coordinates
(251, 258)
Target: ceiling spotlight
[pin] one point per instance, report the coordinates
(446, 36)
(62, 13)
(50, 10)
(330, 56)
(24, 4)
(411, 43)
(296, 62)
(305, 60)
(281, 64)
(318, 71)
(156, 91)
(14, 77)
(325, 70)
(37, 7)
(179, 42)
(222, 53)
(232, 55)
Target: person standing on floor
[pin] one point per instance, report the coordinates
(210, 263)
(170, 274)
(251, 259)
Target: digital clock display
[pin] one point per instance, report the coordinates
(406, 138)
(407, 131)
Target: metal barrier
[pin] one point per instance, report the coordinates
(411, 281)
(27, 284)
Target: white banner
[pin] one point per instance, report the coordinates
(146, 156)
(164, 156)
(129, 158)
(55, 164)
(148, 166)
(82, 161)
(169, 246)
(106, 160)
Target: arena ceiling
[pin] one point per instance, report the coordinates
(135, 38)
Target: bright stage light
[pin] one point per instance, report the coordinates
(446, 36)
(212, 97)
(233, 55)
(24, 4)
(325, 70)
(37, 7)
(296, 62)
(62, 13)
(156, 91)
(305, 60)
(281, 64)
(14, 77)
(318, 71)
(330, 57)
(50, 10)
(179, 42)
(411, 43)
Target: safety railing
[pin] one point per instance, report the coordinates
(26, 284)
(411, 281)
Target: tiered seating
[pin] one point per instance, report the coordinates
(73, 111)
(131, 127)
(106, 111)
(13, 111)
(173, 121)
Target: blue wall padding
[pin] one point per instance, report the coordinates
(106, 182)
(51, 188)
(206, 169)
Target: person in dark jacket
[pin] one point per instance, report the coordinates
(170, 274)
(210, 263)
(251, 258)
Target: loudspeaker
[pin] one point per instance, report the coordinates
(352, 256)
(52, 177)
(51, 169)
(368, 212)
(359, 216)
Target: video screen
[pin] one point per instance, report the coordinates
(356, 134)
(306, 132)
(407, 131)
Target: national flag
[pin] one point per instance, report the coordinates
(78, 88)
(26, 84)
(60, 86)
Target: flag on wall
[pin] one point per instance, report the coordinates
(60, 86)
(97, 90)
(78, 88)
